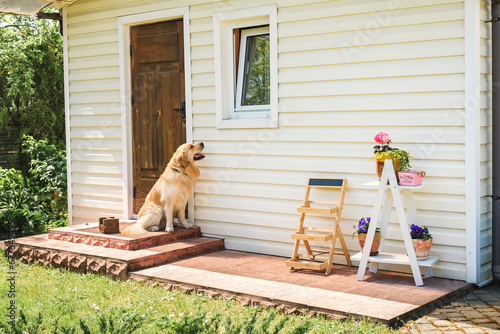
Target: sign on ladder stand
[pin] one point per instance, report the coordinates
(391, 193)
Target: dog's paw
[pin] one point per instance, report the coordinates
(187, 225)
(155, 228)
(169, 229)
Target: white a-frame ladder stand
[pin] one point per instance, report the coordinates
(389, 193)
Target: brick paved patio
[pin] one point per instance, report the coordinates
(385, 297)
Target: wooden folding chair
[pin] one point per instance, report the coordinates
(317, 259)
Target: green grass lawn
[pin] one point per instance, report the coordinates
(50, 300)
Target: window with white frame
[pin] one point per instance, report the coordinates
(246, 68)
(253, 82)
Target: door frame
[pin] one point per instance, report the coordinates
(124, 25)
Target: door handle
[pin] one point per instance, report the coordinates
(183, 109)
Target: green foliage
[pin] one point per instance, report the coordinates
(120, 321)
(24, 324)
(395, 154)
(14, 188)
(27, 222)
(116, 322)
(200, 322)
(62, 329)
(47, 165)
(31, 78)
(20, 205)
(123, 321)
(302, 328)
(203, 322)
(39, 200)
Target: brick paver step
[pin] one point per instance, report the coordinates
(85, 258)
(89, 234)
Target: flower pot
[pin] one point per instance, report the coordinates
(380, 167)
(375, 244)
(411, 177)
(422, 248)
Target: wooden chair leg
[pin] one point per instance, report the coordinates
(344, 247)
(330, 255)
(295, 251)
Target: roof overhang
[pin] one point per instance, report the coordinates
(31, 7)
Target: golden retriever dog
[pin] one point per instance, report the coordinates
(170, 194)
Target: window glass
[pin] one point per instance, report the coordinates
(253, 81)
(256, 81)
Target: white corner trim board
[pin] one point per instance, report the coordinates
(67, 116)
(472, 139)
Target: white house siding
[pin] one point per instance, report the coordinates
(347, 70)
(486, 147)
(334, 96)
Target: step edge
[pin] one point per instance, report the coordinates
(113, 258)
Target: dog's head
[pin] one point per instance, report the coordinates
(186, 154)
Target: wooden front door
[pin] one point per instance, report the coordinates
(158, 120)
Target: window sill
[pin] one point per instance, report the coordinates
(248, 123)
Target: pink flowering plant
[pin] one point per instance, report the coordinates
(383, 138)
(418, 232)
(384, 151)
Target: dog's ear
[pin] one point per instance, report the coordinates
(180, 160)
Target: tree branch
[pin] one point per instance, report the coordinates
(18, 26)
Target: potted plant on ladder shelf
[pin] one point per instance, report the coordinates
(383, 151)
(422, 241)
(362, 230)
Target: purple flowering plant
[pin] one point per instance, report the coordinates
(418, 232)
(363, 226)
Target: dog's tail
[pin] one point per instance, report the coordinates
(134, 229)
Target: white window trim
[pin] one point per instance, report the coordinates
(254, 111)
(225, 78)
